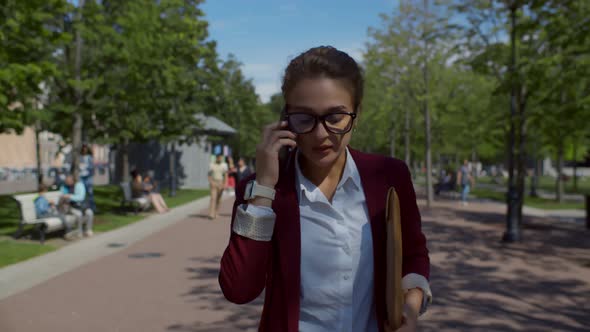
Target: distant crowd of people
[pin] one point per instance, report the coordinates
(77, 195)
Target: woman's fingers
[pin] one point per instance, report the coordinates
(282, 142)
(281, 134)
(268, 129)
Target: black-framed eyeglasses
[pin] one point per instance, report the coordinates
(337, 123)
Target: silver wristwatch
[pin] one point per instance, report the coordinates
(253, 189)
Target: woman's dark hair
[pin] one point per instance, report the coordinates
(134, 173)
(328, 62)
(88, 149)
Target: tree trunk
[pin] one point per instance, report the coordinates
(38, 155)
(575, 178)
(77, 124)
(513, 199)
(559, 181)
(439, 167)
(522, 155)
(535, 177)
(429, 189)
(124, 150)
(172, 158)
(407, 137)
(473, 161)
(76, 145)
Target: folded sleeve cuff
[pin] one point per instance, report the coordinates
(254, 222)
(414, 280)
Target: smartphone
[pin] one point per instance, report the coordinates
(285, 151)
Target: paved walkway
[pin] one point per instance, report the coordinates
(168, 280)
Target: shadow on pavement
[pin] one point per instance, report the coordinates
(207, 297)
(482, 284)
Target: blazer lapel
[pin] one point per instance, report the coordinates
(288, 238)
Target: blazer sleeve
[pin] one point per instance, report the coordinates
(245, 262)
(415, 252)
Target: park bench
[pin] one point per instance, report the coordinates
(138, 203)
(449, 190)
(26, 204)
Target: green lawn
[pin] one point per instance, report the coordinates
(108, 201)
(536, 202)
(9, 215)
(109, 217)
(14, 252)
(546, 183)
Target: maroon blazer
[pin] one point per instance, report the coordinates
(249, 266)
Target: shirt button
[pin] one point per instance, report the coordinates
(346, 249)
(346, 277)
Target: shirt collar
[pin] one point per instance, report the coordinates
(310, 190)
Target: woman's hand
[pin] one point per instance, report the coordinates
(274, 137)
(409, 320)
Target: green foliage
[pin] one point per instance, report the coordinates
(108, 200)
(241, 109)
(463, 110)
(28, 38)
(148, 69)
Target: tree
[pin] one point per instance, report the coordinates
(561, 107)
(28, 38)
(521, 66)
(242, 109)
(80, 73)
(404, 62)
(160, 72)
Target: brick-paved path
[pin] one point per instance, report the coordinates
(168, 281)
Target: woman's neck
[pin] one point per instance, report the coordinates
(317, 175)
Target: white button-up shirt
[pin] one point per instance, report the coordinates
(336, 256)
(337, 282)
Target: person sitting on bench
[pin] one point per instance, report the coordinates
(444, 184)
(74, 195)
(47, 209)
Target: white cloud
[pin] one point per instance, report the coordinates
(261, 70)
(266, 78)
(355, 51)
(265, 90)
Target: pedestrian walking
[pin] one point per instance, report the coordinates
(217, 180)
(243, 170)
(465, 180)
(310, 229)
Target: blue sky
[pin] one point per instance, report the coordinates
(264, 34)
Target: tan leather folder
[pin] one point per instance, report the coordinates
(394, 296)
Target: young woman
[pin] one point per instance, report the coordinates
(141, 189)
(311, 229)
